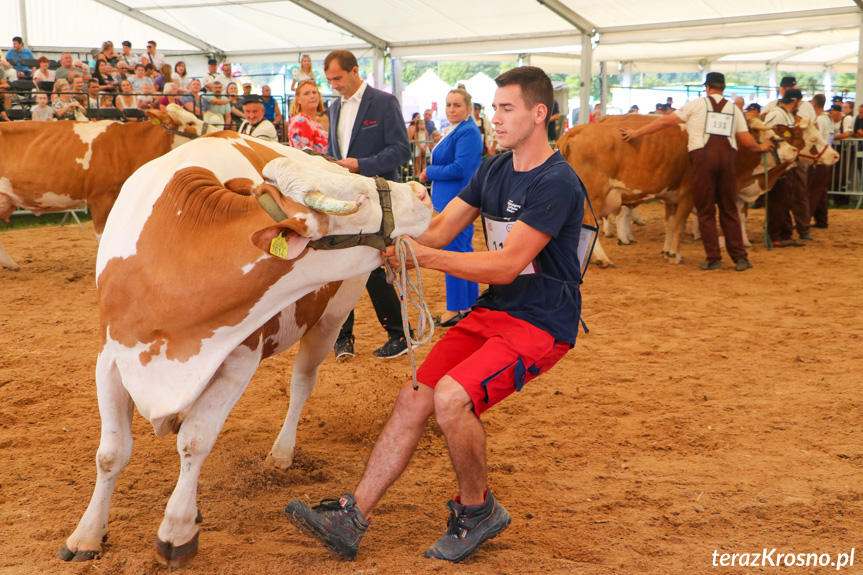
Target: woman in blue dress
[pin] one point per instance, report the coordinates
(454, 159)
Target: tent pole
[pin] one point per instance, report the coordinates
(773, 81)
(626, 81)
(379, 68)
(603, 83)
(828, 85)
(858, 99)
(22, 8)
(586, 66)
(398, 87)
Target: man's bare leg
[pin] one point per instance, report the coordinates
(465, 438)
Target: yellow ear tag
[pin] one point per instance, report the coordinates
(279, 246)
(787, 134)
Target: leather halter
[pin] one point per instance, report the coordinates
(378, 240)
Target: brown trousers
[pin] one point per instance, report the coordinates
(778, 206)
(819, 183)
(800, 199)
(714, 183)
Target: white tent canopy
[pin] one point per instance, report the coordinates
(639, 35)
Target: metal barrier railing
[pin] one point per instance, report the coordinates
(847, 178)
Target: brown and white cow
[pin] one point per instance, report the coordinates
(55, 166)
(191, 300)
(620, 175)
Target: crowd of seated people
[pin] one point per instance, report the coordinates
(76, 89)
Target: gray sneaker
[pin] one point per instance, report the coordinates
(468, 527)
(336, 523)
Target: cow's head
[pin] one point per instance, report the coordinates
(341, 203)
(810, 143)
(786, 151)
(176, 117)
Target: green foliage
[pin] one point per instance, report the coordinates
(29, 221)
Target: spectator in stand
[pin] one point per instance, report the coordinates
(78, 90)
(127, 56)
(125, 99)
(139, 79)
(103, 74)
(844, 126)
(163, 77)
(740, 103)
(7, 72)
(180, 77)
(255, 124)
(596, 114)
(271, 108)
(110, 57)
(123, 72)
(305, 131)
(93, 93)
(153, 57)
(225, 77)
(220, 105)
(43, 74)
(418, 135)
(247, 89)
(68, 108)
(58, 87)
(237, 115)
(42, 112)
(194, 100)
(106, 100)
(431, 127)
(454, 160)
(5, 98)
(15, 55)
(65, 68)
(858, 123)
(210, 76)
(633, 110)
(304, 73)
(151, 72)
(171, 96)
(149, 99)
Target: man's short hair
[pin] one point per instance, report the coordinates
(535, 86)
(819, 100)
(788, 82)
(92, 81)
(346, 59)
(127, 43)
(791, 95)
(17, 39)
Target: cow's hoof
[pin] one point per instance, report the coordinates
(170, 556)
(67, 554)
(603, 265)
(282, 463)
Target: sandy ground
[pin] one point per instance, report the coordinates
(705, 411)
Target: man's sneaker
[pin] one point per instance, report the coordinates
(336, 523)
(468, 527)
(344, 348)
(742, 265)
(807, 237)
(394, 347)
(710, 266)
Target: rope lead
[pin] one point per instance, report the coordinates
(411, 292)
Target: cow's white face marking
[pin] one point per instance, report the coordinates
(88, 132)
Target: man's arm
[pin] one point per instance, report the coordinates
(658, 124)
(746, 140)
(444, 227)
(397, 148)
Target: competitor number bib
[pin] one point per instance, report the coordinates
(719, 124)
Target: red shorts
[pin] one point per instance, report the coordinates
(491, 354)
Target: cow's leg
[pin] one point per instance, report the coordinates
(670, 213)
(600, 258)
(115, 448)
(177, 542)
(6, 260)
(315, 346)
(743, 212)
(624, 226)
(607, 229)
(637, 219)
(684, 207)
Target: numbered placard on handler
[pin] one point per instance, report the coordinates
(496, 232)
(719, 124)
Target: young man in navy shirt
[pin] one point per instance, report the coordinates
(532, 205)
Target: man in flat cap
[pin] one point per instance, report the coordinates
(715, 125)
(255, 124)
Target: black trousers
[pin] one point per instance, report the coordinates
(386, 303)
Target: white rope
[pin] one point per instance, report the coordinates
(411, 292)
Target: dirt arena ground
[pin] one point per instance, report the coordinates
(704, 412)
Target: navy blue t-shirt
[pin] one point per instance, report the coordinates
(550, 199)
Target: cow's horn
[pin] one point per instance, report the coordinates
(323, 203)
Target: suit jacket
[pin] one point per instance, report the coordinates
(454, 160)
(379, 138)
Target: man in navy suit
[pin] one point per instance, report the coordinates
(367, 135)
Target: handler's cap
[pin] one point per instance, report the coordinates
(791, 95)
(211, 62)
(837, 99)
(253, 99)
(836, 108)
(753, 107)
(477, 106)
(714, 78)
(788, 82)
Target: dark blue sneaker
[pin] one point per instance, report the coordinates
(336, 523)
(468, 527)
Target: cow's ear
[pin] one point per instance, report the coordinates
(804, 123)
(281, 240)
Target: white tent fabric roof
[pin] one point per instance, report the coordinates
(655, 35)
